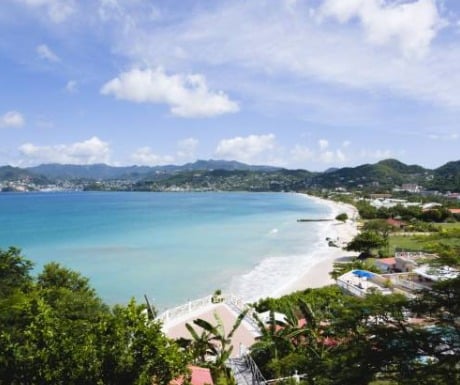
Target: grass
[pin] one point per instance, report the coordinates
(422, 242)
(411, 242)
(450, 226)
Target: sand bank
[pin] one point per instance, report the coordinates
(317, 275)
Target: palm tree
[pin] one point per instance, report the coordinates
(213, 340)
(200, 345)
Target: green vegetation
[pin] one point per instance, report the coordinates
(55, 330)
(235, 176)
(212, 341)
(365, 242)
(342, 217)
(346, 340)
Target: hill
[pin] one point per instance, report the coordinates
(386, 173)
(447, 177)
(233, 175)
(106, 172)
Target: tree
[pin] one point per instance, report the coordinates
(342, 217)
(14, 272)
(214, 340)
(56, 330)
(365, 241)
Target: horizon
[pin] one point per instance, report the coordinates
(300, 84)
(222, 160)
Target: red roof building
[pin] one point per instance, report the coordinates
(396, 223)
(199, 376)
(386, 265)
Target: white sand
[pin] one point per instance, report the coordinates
(341, 233)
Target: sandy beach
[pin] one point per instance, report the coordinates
(317, 275)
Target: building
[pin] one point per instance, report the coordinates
(386, 265)
(198, 376)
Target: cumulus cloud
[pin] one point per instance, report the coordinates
(71, 86)
(58, 10)
(300, 153)
(412, 25)
(323, 144)
(186, 151)
(45, 53)
(12, 119)
(187, 95)
(90, 151)
(146, 157)
(246, 149)
(187, 148)
(377, 154)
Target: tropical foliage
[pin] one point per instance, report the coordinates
(346, 340)
(54, 329)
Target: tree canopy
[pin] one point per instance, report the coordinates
(54, 329)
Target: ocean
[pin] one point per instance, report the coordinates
(171, 246)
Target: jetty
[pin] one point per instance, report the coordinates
(314, 220)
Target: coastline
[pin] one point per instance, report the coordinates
(317, 275)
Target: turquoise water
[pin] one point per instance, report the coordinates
(170, 246)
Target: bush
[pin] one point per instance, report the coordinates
(342, 217)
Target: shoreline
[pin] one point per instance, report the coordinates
(317, 275)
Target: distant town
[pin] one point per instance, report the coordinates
(389, 178)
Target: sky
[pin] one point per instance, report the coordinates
(309, 84)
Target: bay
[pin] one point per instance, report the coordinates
(171, 246)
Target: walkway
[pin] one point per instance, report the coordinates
(174, 320)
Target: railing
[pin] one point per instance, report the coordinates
(231, 300)
(257, 377)
(237, 305)
(351, 288)
(184, 309)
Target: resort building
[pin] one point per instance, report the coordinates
(360, 283)
(386, 265)
(407, 261)
(198, 376)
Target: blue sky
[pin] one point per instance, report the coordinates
(297, 83)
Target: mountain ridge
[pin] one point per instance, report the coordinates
(386, 173)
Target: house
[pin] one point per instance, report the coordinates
(396, 223)
(411, 187)
(198, 376)
(455, 211)
(386, 265)
(407, 261)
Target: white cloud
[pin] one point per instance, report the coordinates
(323, 144)
(246, 149)
(301, 154)
(187, 148)
(412, 25)
(146, 157)
(377, 154)
(71, 86)
(44, 52)
(187, 95)
(12, 119)
(274, 48)
(89, 151)
(346, 143)
(58, 10)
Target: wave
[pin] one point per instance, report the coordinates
(272, 274)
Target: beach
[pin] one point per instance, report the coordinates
(317, 274)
